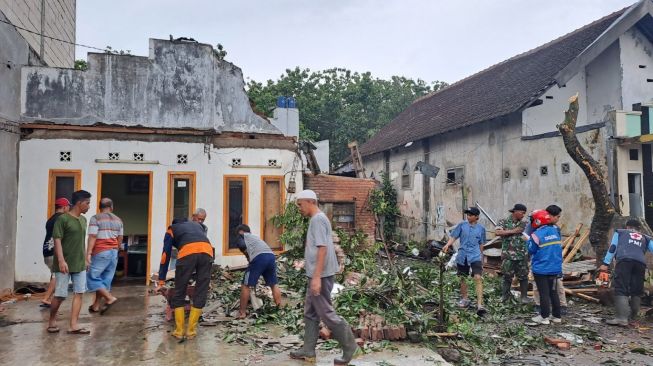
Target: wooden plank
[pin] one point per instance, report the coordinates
(582, 296)
(569, 242)
(578, 245)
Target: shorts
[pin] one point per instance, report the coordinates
(263, 264)
(476, 267)
(102, 269)
(49, 261)
(62, 279)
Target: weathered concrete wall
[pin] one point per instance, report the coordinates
(485, 153)
(180, 85)
(604, 91)
(14, 52)
(38, 156)
(599, 88)
(537, 119)
(636, 51)
(55, 18)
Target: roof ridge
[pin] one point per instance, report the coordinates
(523, 54)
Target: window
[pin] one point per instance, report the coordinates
(634, 154)
(544, 170)
(235, 210)
(139, 156)
(344, 216)
(273, 162)
(271, 205)
(62, 183)
(524, 172)
(181, 195)
(565, 168)
(114, 156)
(506, 174)
(405, 176)
(455, 175)
(182, 158)
(236, 162)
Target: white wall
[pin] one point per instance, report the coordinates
(544, 117)
(636, 50)
(37, 157)
(604, 84)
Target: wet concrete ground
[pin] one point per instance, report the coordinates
(134, 332)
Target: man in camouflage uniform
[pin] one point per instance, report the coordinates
(514, 253)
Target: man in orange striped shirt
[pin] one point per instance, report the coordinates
(195, 255)
(105, 232)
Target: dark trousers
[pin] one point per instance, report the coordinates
(629, 278)
(320, 307)
(201, 265)
(547, 286)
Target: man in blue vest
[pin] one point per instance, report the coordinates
(470, 256)
(545, 248)
(629, 247)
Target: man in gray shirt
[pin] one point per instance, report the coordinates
(261, 262)
(321, 265)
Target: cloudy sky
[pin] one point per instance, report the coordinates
(428, 39)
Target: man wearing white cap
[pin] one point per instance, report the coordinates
(321, 265)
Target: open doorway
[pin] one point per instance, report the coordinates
(635, 199)
(131, 193)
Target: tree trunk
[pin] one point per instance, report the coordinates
(604, 210)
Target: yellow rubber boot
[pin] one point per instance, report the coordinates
(179, 323)
(193, 319)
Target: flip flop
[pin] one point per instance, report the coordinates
(44, 305)
(91, 310)
(79, 331)
(106, 307)
(53, 329)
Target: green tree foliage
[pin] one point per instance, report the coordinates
(383, 202)
(340, 105)
(81, 65)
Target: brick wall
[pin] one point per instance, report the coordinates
(334, 189)
(59, 22)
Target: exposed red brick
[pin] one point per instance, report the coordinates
(335, 189)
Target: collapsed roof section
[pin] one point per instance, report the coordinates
(181, 85)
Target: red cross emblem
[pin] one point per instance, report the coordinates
(636, 236)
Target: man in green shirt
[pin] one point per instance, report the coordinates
(69, 236)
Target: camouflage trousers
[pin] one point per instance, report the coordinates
(511, 268)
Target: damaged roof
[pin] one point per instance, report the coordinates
(494, 92)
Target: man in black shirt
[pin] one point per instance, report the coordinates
(61, 206)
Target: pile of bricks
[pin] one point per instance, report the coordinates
(374, 328)
(371, 327)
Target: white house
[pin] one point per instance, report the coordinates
(161, 136)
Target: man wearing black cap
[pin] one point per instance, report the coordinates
(514, 253)
(472, 237)
(629, 246)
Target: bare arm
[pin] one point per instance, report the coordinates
(316, 280)
(91, 244)
(58, 251)
(449, 244)
(319, 265)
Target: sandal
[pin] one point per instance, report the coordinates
(91, 310)
(53, 329)
(106, 307)
(79, 331)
